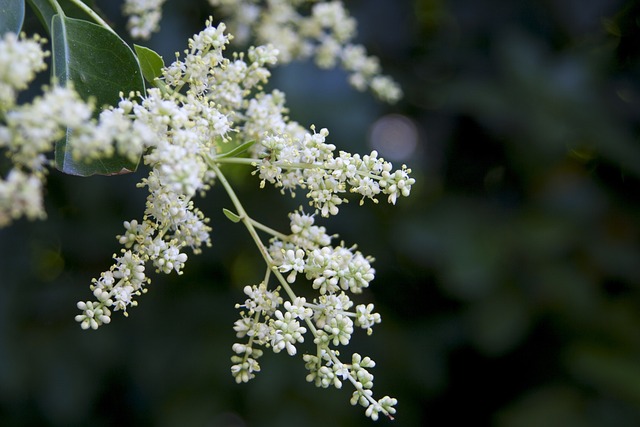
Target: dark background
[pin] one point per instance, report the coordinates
(508, 282)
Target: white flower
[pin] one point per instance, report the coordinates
(326, 33)
(327, 377)
(397, 183)
(366, 318)
(264, 116)
(20, 195)
(267, 54)
(294, 262)
(93, 315)
(341, 370)
(106, 281)
(386, 89)
(170, 259)
(130, 268)
(329, 306)
(327, 53)
(261, 299)
(298, 309)
(286, 331)
(333, 16)
(339, 329)
(144, 17)
(20, 60)
(305, 233)
(123, 297)
(242, 326)
(244, 370)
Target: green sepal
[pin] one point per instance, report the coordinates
(232, 217)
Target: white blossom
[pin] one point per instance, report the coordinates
(209, 99)
(286, 332)
(301, 29)
(144, 17)
(261, 299)
(293, 261)
(20, 196)
(298, 308)
(20, 60)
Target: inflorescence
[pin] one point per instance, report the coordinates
(299, 29)
(203, 103)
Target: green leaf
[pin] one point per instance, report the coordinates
(72, 10)
(99, 65)
(11, 16)
(238, 150)
(232, 217)
(151, 63)
(46, 9)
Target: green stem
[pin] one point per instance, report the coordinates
(249, 225)
(318, 307)
(242, 214)
(163, 87)
(86, 9)
(287, 165)
(269, 230)
(237, 161)
(267, 274)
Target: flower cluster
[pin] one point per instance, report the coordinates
(28, 131)
(144, 17)
(268, 320)
(177, 133)
(207, 111)
(309, 163)
(299, 29)
(326, 34)
(180, 130)
(20, 60)
(171, 223)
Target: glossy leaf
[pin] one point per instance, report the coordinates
(46, 9)
(99, 65)
(11, 16)
(151, 63)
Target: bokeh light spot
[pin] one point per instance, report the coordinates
(394, 136)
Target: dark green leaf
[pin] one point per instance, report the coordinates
(46, 9)
(238, 150)
(11, 16)
(232, 217)
(151, 63)
(99, 65)
(72, 10)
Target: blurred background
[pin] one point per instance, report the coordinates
(508, 283)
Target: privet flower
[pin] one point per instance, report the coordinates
(29, 131)
(210, 104)
(144, 17)
(334, 273)
(299, 29)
